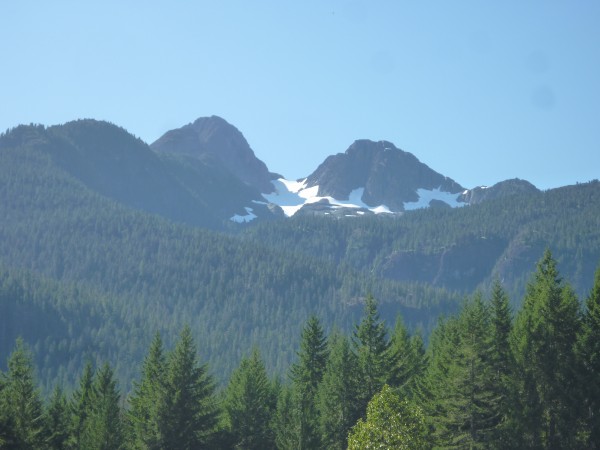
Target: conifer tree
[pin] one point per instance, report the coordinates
(188, 414)
(249, 405)
(21, 399)
(7, 437)
(338, 406)
(501, 364)
(589, 354)
(286, 423)
(57, 421)
(371, 347)
(462, 404)
(543, 343)
(407, 358)
(103, 428)
(80, 406)
(306, 375)
(147, 398)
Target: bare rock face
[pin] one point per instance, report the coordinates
(388, 175)
(219, 139)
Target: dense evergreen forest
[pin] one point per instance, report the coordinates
(104, 243)
(488, 378)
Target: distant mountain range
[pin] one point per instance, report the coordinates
(205, 173)
(368, 178)
(104, 238)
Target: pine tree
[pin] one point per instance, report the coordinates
(21, 400)
(249, 405)
(103, 428)
(286, 423)
(306, 375)
(337, 398)
(188, 414)
(589, 355)
(501, 364)
(407, 358)
(80, 406)
(56, 420)
(462, 407)
(146, 400)
(371, 346)
(543, 343)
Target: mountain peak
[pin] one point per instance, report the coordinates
(216, 137)
(389, 176)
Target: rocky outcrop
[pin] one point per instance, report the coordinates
(216, 137)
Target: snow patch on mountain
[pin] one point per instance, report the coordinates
(293, 195)
(426, 196)
(248, 217)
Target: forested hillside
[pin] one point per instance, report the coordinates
(459, 249)
(103, 243)
(490, 377)
(86, 276)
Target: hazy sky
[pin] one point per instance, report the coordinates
(480, 91)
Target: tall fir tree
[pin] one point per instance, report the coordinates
(249, 405)
(103, 428)
(286, 423)
(56, 419)
(306, 375)
(371, 346)
(501, 365)
(21, 399)
(462, 404)
(7, 436)
(589, 355)
(543, 342)
(145, 402)
(189, 413)
(80, 406)
(407, 358)
(338, 406)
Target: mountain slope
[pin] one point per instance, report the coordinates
(115, 164)
(104, 277)
(388, 175)
(216, 137)
(463, 248)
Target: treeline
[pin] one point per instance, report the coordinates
(486, 380)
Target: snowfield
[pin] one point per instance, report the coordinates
(290, 196)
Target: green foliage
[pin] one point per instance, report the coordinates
(306, 375)
(57, 418)
(250, 405)
(103, 428)
(462, 405)
(588, 347)
(81, 406)
(338, 393)
(144, 412)
(482, 383)
(371, 346)
(407, 355)
(543, 342)
(391, 423)
(20, 401)
(188, 413)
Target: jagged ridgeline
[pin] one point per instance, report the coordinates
(105, 240)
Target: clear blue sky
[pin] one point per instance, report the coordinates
(480, 91)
